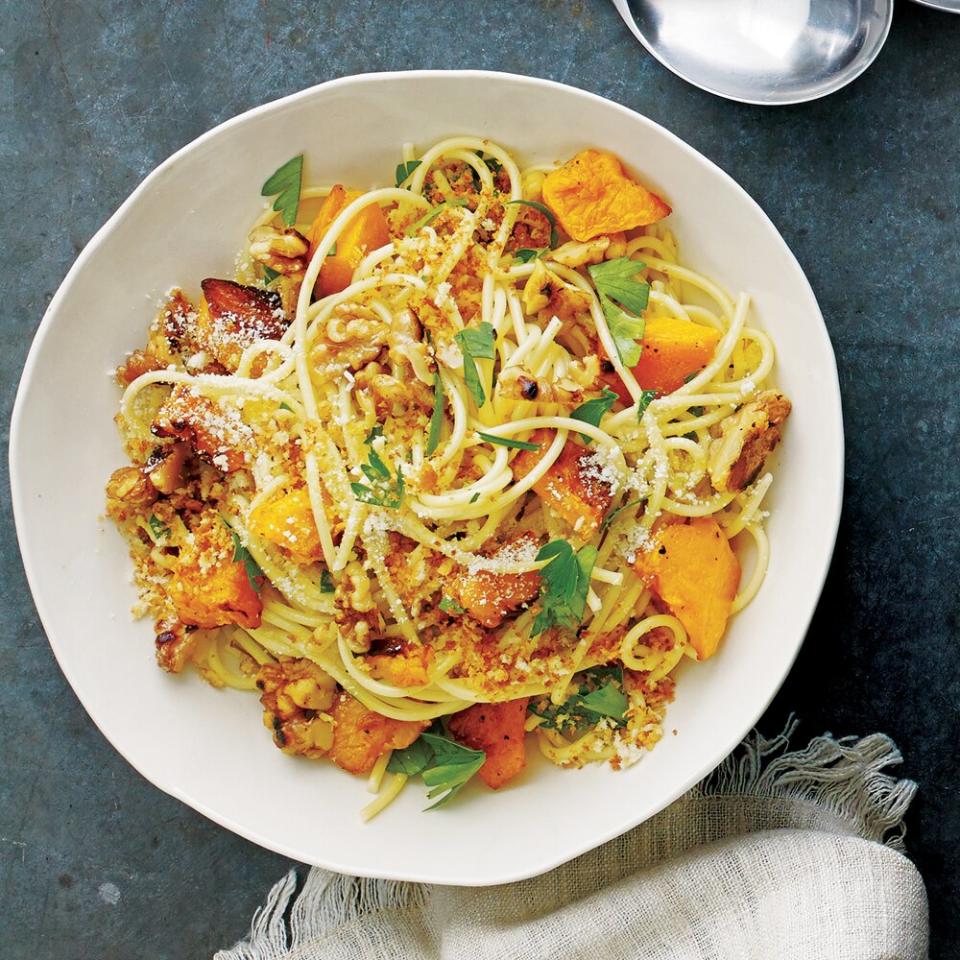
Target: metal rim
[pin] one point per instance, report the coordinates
(946, 6)
(624, 11)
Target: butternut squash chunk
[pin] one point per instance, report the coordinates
(361, 736)
(488, 597)
(365, 232)
(497, 730)
(672, 350)
(590, 195)
(208, 589)
(573, 487)
(695, 573)
(405, 666)
(288, 523)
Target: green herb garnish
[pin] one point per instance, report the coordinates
(508, 442)
(326, 582)
(449, 605)
(547, 212)
(475, 497)
(646, 398)
(600, 693)
(158, 528)
(475, 343)
(566, 582)
(444, 764)
(526, 254)
(493, 164)
(269, 274)
(607, 520)
(436, 418)
(384, 491)
(404, 170)
(620, 292)
(242, 555)
(284, 183)
(593, 411)
(431, 215)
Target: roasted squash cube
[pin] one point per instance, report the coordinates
(208, 588)
(366, 232)
(488, 596)
(361, 737)
(574, 487)
(497, 730)
(590, 195)
(288, 523)
(695, 573)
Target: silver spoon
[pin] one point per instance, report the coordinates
(762, 51)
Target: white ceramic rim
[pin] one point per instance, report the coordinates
(831, 515)
(623, 9)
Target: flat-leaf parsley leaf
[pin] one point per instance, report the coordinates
(444, 765)
(284, 183)
(593, 411)
(404, 170)
(619, 293)
(475, 343)
(242, 555)
(599, 693)
(382, 491)
(566, 582)
(436, 418)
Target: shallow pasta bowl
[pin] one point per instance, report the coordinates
(208, 748)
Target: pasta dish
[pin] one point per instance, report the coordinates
(452, 469)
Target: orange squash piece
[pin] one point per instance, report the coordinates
(361, 736)
(231, 316)
(591, 195)
(365, 232)
(572, 487)
(201, 422)
(488, 597)
(497, 730)
(672, 350)
(404, 666)
(288, 522)
(695, 573)
(208, 589)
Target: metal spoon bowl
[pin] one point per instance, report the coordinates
(762, 51)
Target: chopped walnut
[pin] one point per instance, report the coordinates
(356, 613)
(284, 251)
(173, 644)
(297, 697)
(748, 438)
(547, 295)
(574, 254)
(167, 475)
(129, 491)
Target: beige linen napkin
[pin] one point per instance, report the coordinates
(777, 854)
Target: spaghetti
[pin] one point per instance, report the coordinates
(448, 464)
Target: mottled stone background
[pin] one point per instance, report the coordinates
(96, 863)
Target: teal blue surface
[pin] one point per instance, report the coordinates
(95, 862)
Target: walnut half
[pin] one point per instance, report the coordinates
(748, 438)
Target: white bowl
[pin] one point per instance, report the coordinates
(185, 222)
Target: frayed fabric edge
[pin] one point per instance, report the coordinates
(843, 776)
(326, 902)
